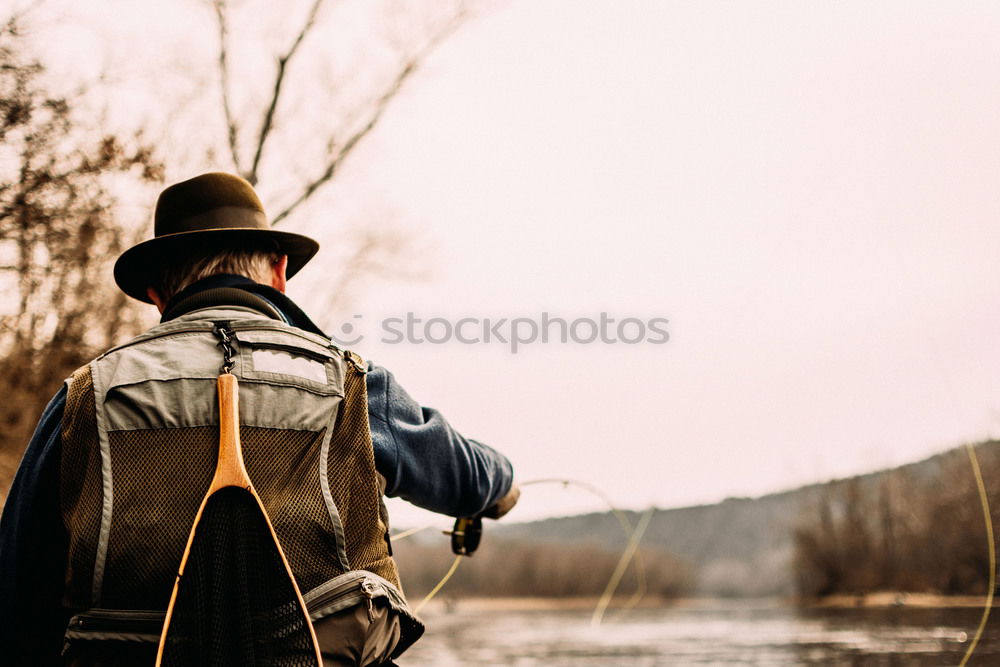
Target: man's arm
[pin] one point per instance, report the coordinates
(33, 551)
(427, 462)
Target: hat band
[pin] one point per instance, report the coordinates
(221, 217)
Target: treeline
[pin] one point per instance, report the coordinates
(919, 528)
(505, 568)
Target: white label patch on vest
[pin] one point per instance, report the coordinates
(286, 363)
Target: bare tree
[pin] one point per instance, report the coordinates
(916, 528)
(251, 133)
(58, 233)
(343, 134)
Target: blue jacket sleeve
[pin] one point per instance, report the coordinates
(33, 550)
(424, 460)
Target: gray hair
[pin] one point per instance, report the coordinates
(252, 263)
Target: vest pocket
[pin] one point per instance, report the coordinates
(361, 618)
(358, 617)
(275, 358)
(112, 637)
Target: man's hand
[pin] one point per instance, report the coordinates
(505, 504)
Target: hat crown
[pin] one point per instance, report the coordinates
(211, 211)
(210, 201)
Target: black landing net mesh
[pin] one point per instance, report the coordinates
(235, 603)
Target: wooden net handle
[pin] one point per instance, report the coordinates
(230, 470)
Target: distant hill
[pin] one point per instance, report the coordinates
(745, 546)
(739, 547)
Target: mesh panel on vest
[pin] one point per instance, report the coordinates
(81, 494)
(160, 477)
(354, 485)
(284, 467)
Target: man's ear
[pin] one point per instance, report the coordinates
(278, 278)
(154, 296)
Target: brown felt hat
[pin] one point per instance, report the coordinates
(213, 211)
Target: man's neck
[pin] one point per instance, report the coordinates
(235, 290)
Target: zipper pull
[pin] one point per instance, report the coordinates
(369, 589)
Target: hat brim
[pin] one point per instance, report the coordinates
(140, 266)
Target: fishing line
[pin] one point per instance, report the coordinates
(984, 502)
(630, 554)
(942, 369)
(984, 499)
(439, 586)
(403, 534)
(623, 562)
(626, 525)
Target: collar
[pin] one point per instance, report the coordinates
(232, 290)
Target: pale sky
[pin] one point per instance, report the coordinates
(807, 191)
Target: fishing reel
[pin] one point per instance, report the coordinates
(466, 535)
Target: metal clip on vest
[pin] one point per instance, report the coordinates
(355, 360)
(226, 338)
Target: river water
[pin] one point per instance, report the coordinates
(716, 634)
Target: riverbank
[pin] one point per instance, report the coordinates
(880, 600)
(885, 599)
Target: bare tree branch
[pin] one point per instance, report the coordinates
(409, 66)
(279, 79)
(377, 251)
(60, 227)
(220, 15)
(16, 17)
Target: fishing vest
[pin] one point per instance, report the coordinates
(139, 444)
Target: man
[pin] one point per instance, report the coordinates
(96, 522)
